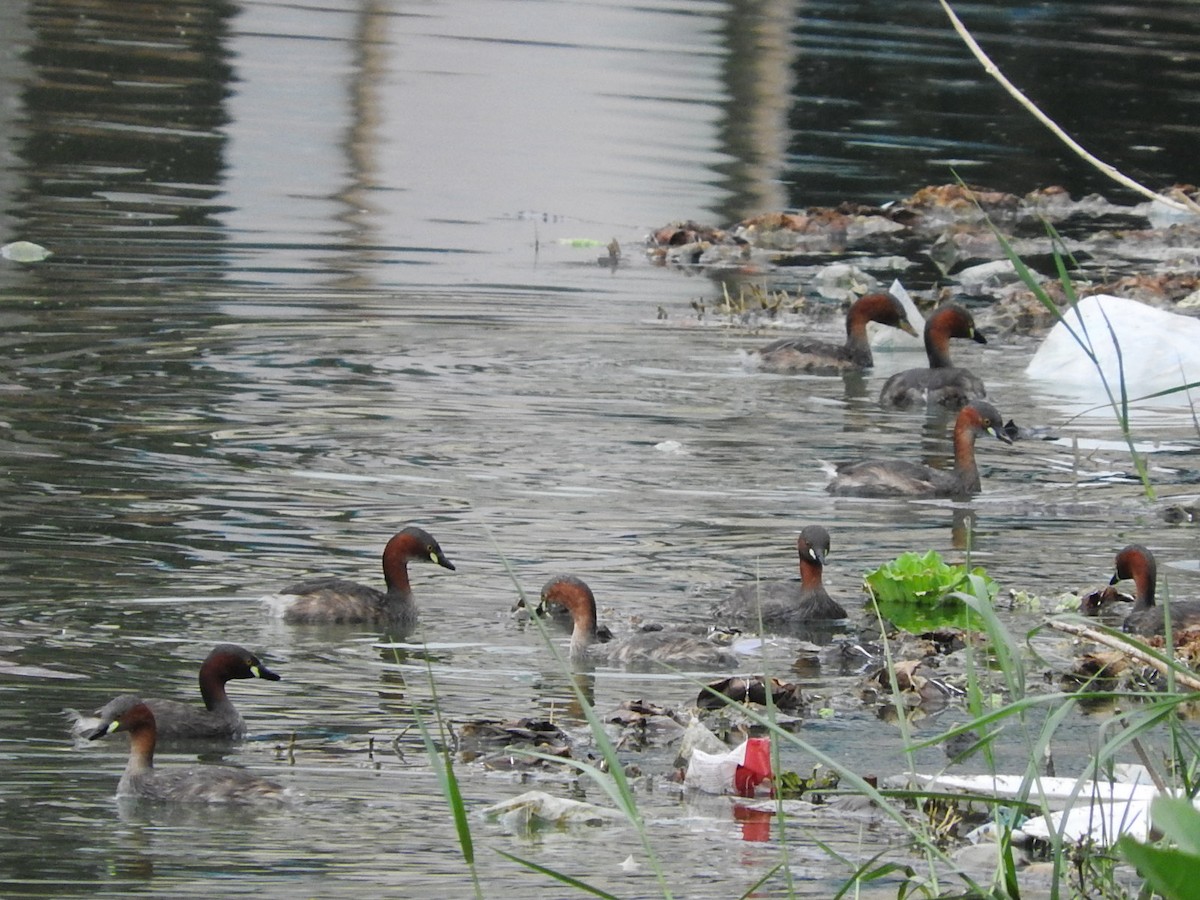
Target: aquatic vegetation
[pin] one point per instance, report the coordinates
(921, 578)
(915, 591)
(1172, 870)
(936, 817)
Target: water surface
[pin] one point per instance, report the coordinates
(311, 284)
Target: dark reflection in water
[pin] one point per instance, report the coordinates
(868, 101)
(342, 144)
(888, 98)
(123, 133)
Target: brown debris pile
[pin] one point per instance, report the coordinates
(941, 240)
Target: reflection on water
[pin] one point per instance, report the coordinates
(351, 145)
(308, 288)
(887, 97)
(122, 136)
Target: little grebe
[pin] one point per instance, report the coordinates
(666, 647)
(899, 478)
(337, 600)
(206, 784)
(780, 603)
(794, 355)
(218, 719)
(1136, 562)
(942, 384)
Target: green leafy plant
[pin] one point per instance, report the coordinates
(921, 578)
(1173, 870)
(916, 592)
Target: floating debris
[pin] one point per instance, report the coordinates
(644, 724)
(504, 746)
(916, 682)
(752, 689)
(1097, 811)
(25, 252)
(738, 771)
(1095, 602)
(536, 809)
(942, 236)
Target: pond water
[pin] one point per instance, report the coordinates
(319, 272)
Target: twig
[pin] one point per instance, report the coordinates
(1188, 681)
(1184, 205)
(1144, 757)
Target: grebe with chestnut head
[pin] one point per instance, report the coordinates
(791, 356)
(782, 603)
(1146, 618)
(942, 383)
(217, 719)
(338, 600)
(203, 784)
(900, 478)
(671, 648)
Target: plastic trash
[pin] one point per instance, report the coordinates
(535, 809)
(737, 771)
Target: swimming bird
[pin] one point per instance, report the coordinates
(805, 355)
(783, 603)
(338, 600)
(942, 383)
(901, 478)
(672, 648)
(204, 784)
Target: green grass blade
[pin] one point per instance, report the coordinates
(869, 871)
(1179, 820)
(557, 876)
(443, 767)
(449, 783)
(752, 891)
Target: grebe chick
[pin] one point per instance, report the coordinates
(900, 478)
(338, 600)
(205, 784)
(671, 648)
(218, 719)
(791, 356)
(1137, 562)
(781, 603)
(942, 384)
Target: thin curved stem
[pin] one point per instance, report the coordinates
(1183, 205)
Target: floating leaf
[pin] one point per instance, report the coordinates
(922, 579)
(24, 252)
